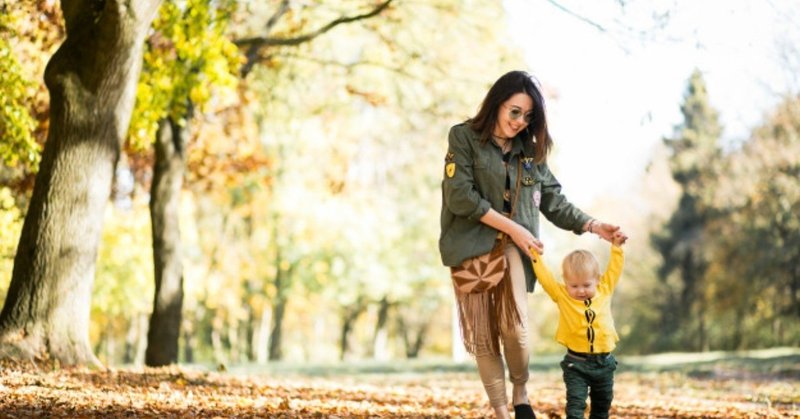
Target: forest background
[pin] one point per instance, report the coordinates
(276, 196)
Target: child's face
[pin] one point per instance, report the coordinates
(582, 288)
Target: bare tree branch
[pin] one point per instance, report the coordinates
(623, 33)
(255, 44)
(252, 53)
(582, 18)
(273, 20)
(400, 70)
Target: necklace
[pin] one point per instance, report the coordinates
(503, 143)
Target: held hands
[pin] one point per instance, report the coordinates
(618, 239)
(525, 240)
(608, 232)
(533, 246)
(521, 237)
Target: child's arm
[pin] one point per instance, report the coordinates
(544, 276)
(614, 270)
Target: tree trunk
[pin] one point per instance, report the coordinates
(795, 288)
(234, 344)
(350, 315)
(702, 332)
(165, 191)
(129, 353)
(275, 337)
(249, 332)
(134, 347)
(278, 310)
(216, 340)
(412, 351)
(347, 326)
(738, 332)
(380, 349)
(262, 336)
(188, 347)
(414, 341)
(92, 83)
(283, 282)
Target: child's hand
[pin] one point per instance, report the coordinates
(618, 238)
(535, 254)
(606, 231)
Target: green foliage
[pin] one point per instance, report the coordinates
(756, 280)
(696, 140)
(16, 123)
(730, 250)
(189, 64)
(683, 242)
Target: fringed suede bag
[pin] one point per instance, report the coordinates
(484, 293)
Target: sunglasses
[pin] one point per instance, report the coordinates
(590, 315)
(516, 113)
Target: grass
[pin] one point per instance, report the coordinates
(775, 363)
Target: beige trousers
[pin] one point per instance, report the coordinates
(515, 342)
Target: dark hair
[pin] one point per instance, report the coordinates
(506, 86)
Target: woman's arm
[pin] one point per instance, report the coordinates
(523, 238)
(458, 187)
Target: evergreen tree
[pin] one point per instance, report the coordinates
(682, 242)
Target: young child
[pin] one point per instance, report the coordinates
(585, 326)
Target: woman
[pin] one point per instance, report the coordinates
(507, 139)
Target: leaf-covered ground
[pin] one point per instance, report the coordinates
(737, 388)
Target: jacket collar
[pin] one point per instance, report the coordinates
(522, 146)
(516, 145)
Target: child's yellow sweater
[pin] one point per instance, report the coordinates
(572, 321)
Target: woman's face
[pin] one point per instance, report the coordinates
(513, 116)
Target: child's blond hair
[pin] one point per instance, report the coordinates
(580, 263)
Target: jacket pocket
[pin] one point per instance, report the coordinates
(530, 199)
(480, 162)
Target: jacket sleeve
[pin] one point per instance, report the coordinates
(614, 270)
(555, 206)
(460, 195)
(545, 278)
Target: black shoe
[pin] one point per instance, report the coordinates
(523, 411)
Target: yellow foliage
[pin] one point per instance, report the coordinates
(124, 284)
(10, 229)
(188, 63)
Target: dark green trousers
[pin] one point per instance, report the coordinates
(593, 376)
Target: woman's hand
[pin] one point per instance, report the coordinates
(525, 240)
(607, 231)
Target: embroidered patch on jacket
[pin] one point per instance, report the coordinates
(537, 198)
(527, 181)
(527, 162)
(450, 169)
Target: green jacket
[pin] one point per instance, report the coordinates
(474, 181)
